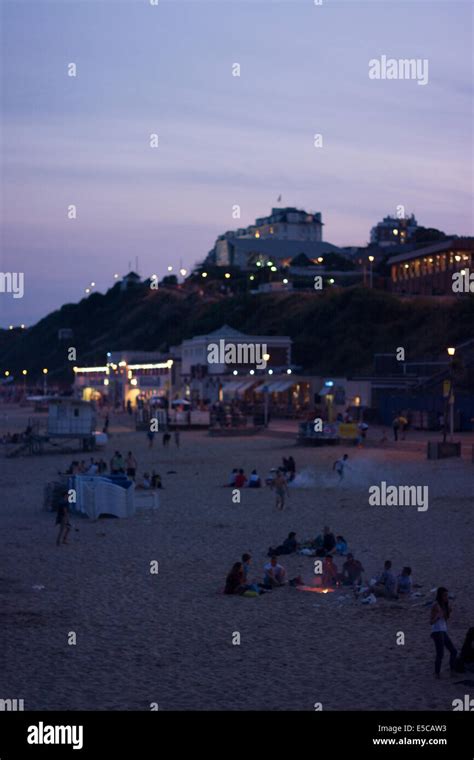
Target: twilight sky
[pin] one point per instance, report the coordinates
(223, 140)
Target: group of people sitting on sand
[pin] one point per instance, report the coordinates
(327, 546)
(238, 479)
(274, 576)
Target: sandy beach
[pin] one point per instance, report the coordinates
(144, 638)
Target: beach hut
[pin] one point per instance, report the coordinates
(72, 418)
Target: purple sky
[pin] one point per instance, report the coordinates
(224, 140)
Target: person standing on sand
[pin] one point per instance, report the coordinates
(339, 465)
(131, 466)
(440, 613)
(281, 489)
(62, 519)
(395, 427)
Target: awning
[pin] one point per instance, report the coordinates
(282, 386)
(231, 387)
(263, 387)
(245, 386)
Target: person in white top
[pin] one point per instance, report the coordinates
(440, 612)
(275, 574)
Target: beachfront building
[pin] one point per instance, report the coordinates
(204, 379)
(429, 270)
(129, 376)
(393, 231)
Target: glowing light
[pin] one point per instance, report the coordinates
(270, 372)
(92, 284)
(161, 365)
(320, 259)
(134, 381)
(227, 275)
(106, 380)
(183, 272)
(252, 372)
(288, 371)
(24, 371)
(273, 269)
(259, 263)
(170, 269)
(331, 281)
(371, 259)
(87, 290)
(252, 277)
(7, 373)
(285, 281)
(91, 369)
(10, 327)
(45, 371)
(116, 276)
(235, 372)
(204, 274)
(22, 327)
(395, 232)
(451, 351)
(266, 357)
(257, 234)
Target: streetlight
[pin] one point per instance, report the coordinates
(45, 381)
(266, 358)
(451, 351)
(371, 260)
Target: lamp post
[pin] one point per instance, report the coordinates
(371, 260)
(451, 352)
(265, 418)
(45, 381)
(170, 386)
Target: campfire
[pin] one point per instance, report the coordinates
(316, 589)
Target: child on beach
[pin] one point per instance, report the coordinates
(340, 465)
(439, 616)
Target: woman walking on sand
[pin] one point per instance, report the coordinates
(281, 489)
(440, 613)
